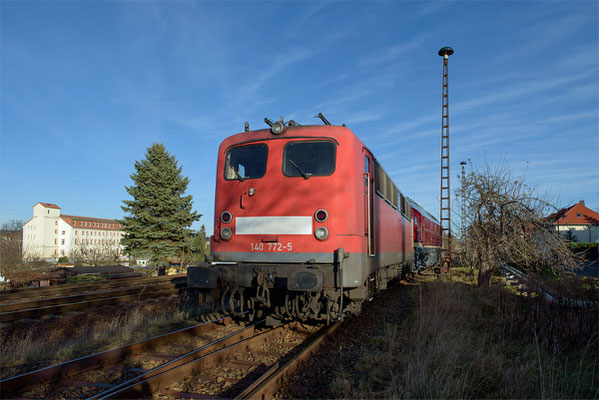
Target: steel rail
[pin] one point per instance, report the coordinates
(62, 308)
(80, 287)
(54, 373)
(549, 295)
(185, 366)
(52, 301)
(273, 379)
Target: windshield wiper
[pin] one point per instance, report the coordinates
(304, 174)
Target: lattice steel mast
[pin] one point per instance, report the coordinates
(445, 212)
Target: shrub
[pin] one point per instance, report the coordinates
(587, 250)
(84, 278)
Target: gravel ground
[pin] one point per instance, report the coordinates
(349, 344)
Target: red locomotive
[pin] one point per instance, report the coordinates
(427, 238)
(307, 225)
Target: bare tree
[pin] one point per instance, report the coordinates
(99, 252)
(505, 223)
(11, 244)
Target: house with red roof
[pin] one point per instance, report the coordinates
(579, 220)
(50, 235)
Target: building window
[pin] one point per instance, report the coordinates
(62, 241)
(578, 215)
(55, 241)
(56, 231)
(62, 252)
(62, 232)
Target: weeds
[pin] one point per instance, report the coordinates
(468, 342)
(54, 341)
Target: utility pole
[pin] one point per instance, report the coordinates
(445, 212)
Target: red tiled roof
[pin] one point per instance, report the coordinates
(47, 205)
(77, 222)
(577, 214)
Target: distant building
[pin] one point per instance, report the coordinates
(51, 235)
(580, 221)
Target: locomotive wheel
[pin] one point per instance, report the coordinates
(223, 304)
(236, 303)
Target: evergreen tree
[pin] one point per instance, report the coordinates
(158, 218)
(570, 237)
(195, 248)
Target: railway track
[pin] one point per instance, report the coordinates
(518, 278)
(211, 360)
(38, 302)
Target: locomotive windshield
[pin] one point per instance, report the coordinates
(247, 162)
(309, 159)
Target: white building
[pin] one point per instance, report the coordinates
(51, 235)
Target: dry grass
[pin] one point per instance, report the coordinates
(41, 343)
(467, 342)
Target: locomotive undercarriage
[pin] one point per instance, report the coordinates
(425, 257)
(279, 292)
(249, 291)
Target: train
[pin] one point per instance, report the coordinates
(307, 226)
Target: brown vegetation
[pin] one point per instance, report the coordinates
(31, 345)
(464, 341)
(505, 222)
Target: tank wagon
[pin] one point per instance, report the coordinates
(307, 225)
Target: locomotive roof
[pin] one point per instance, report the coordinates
(421, 210)
(332, 131)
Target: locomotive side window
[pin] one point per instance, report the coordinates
(247, 162)
(309, 159)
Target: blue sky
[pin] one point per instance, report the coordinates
(86, 87)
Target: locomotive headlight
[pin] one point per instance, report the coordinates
(321, 215)
(226, 217)
(277, 128)
(226, 233)
(321, 233)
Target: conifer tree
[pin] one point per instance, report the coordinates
(158, 218)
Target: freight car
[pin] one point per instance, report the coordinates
(307, 225)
